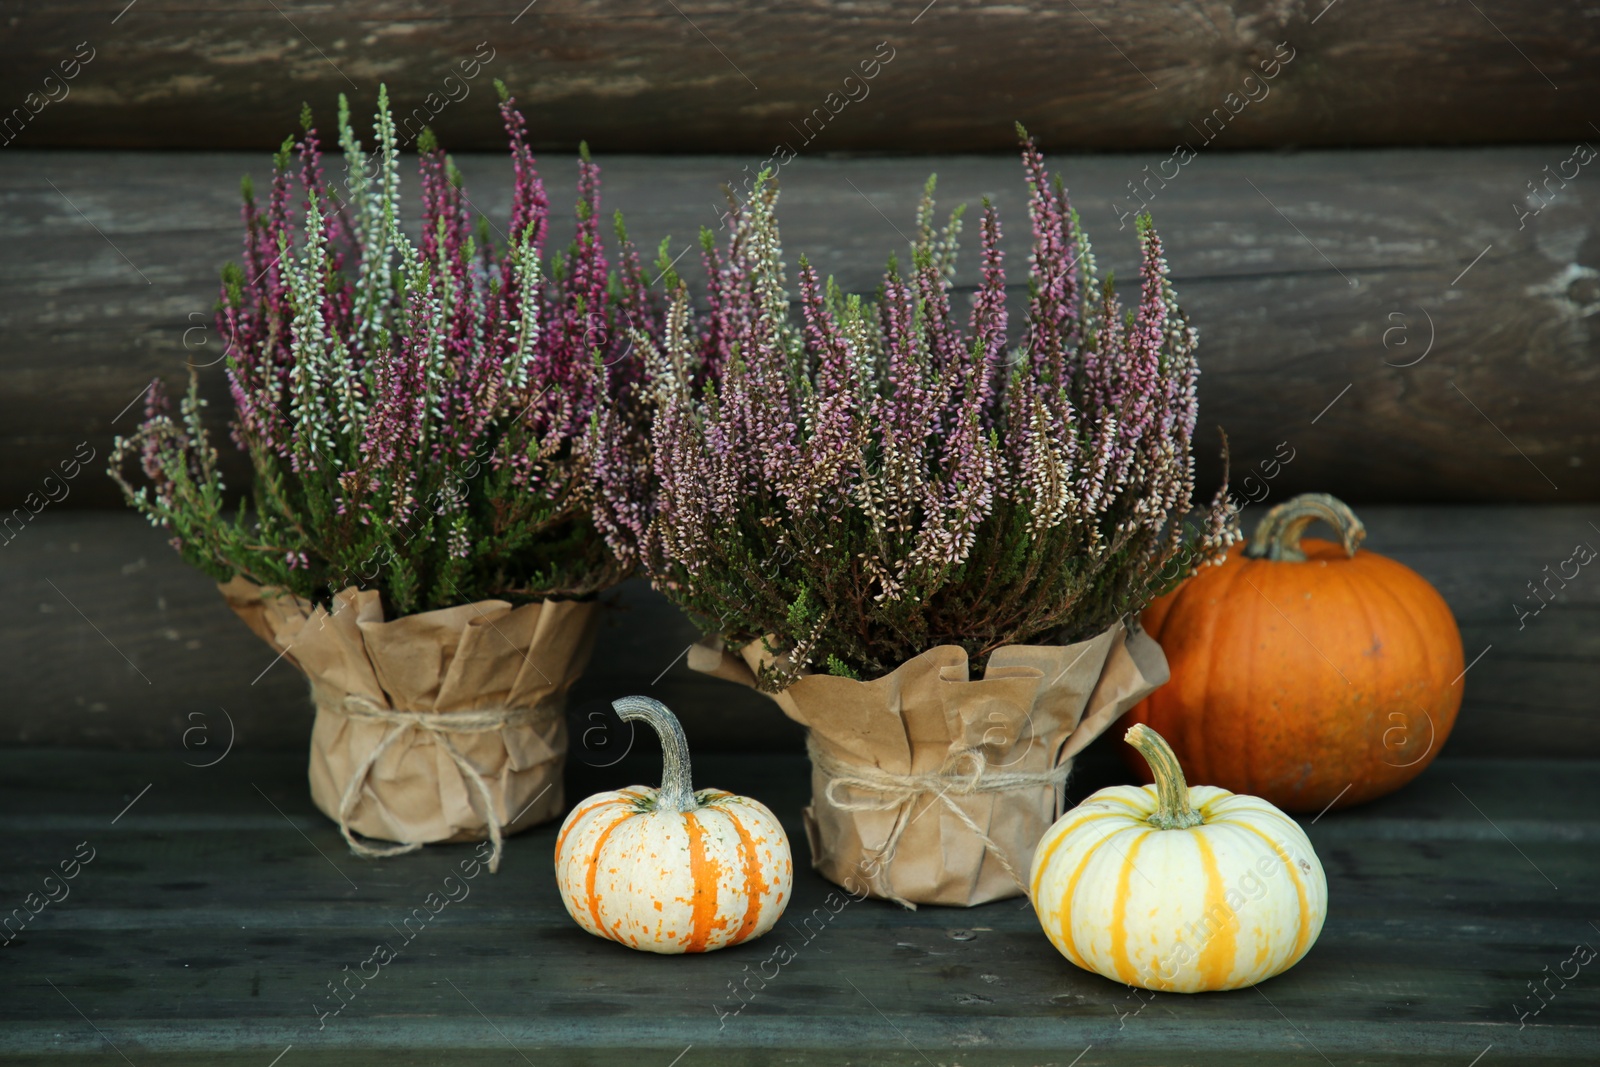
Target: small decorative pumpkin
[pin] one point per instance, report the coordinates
(1304, 672)
(671, 870)
(1180, 889)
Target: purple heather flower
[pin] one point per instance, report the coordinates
(380, 385)
(872, 477)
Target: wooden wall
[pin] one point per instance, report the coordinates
(1383, 215)
(1379, 311)
(111, 641)
(725, 76)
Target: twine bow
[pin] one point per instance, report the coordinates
(441, 725)
(888, 791)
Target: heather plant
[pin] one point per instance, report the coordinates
(869, 479)
(419, 415)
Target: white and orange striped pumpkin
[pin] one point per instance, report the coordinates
(671, 870)
(1173, 888)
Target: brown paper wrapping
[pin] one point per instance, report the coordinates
(468, 658)
(1033, 710)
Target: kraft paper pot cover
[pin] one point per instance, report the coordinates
(930, 786)
(447, 725)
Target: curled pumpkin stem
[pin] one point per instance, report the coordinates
(1278, 534)
(677, 787)
(1173, 811)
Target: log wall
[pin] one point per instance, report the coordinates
(1398, 320)
(725, 76)
(111, 641)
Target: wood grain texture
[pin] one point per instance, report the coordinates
(720, 75)
(1529, 688)
(221, 904)
(118, 643)
(1381, 314)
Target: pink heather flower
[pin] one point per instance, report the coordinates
(441, 406)
(869, 478)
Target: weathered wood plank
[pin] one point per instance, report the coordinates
(722, 76)
(1380, 314)
(190, 663)
(1529, 690)
(207, 924)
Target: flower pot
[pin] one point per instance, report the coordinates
(447, 725)
(933, 787)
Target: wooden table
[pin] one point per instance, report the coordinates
(219, 905)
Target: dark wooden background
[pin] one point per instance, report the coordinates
(1379, 310)
(1393, 259)
(1386, 276)
(112, 641)
(723, 76)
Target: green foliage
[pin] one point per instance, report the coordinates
(839, 667)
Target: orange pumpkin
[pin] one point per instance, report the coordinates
(1305, 672)
(671, 870)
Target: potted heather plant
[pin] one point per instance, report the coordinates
(418, 537)
(928, 549)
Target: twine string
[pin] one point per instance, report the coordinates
(441, 725)
(887, 791)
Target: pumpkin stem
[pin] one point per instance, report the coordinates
(1278, 534)
(1173, 811)
(677, 789)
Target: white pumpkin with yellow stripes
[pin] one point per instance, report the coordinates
(1179, 889)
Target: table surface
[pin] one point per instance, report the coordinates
(219, 906)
